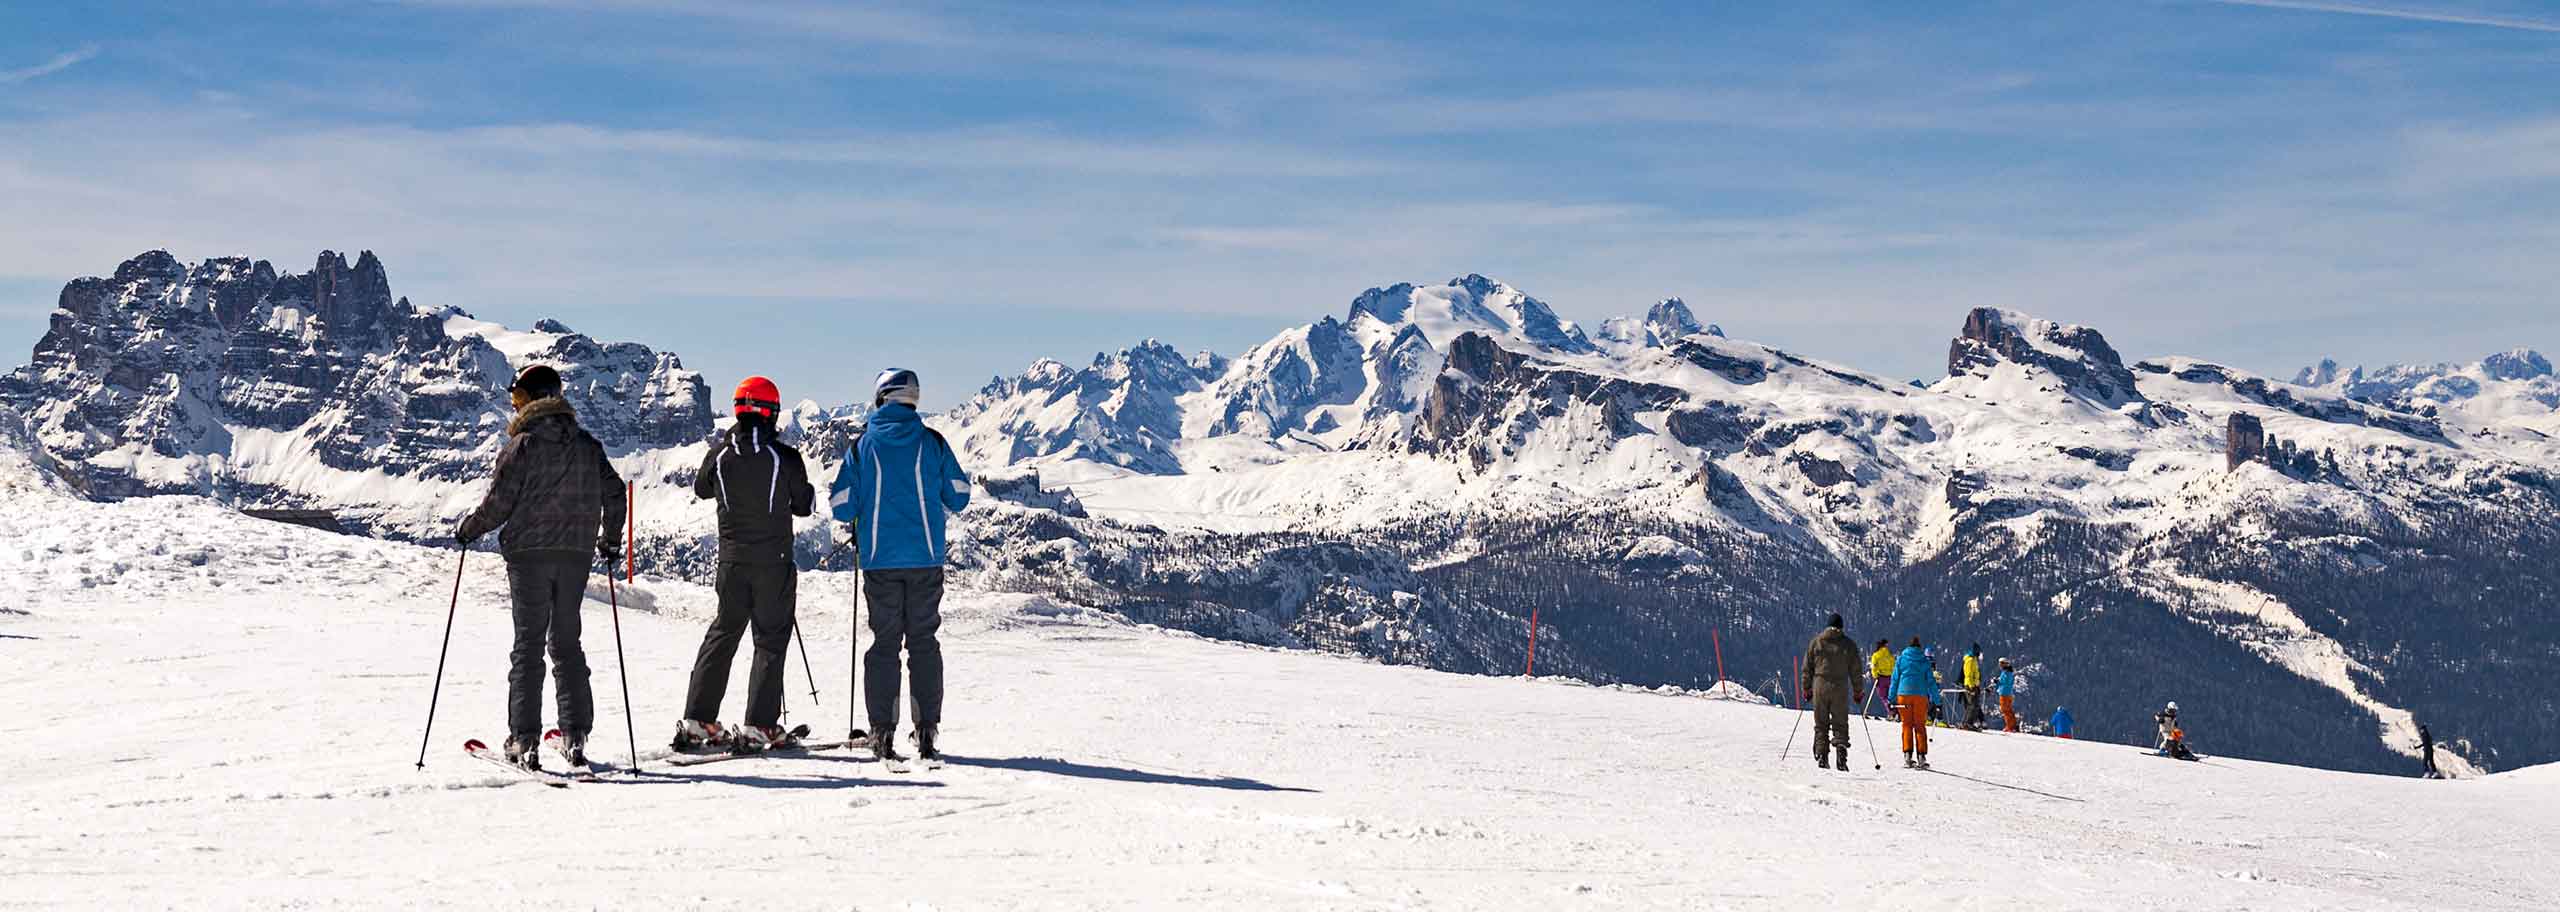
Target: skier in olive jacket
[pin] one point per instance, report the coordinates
(1831, 675)
(561, 504)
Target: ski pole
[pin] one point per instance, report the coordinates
(855, 720)
(622, 668)
(1791, 735)
(438, 692)
(1870, 726)
(804, 661)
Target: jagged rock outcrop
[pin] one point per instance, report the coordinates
(2080, 357)
(219, 377)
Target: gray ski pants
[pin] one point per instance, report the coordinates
(1831, 721)
(546, 590)
(905, 613)
(758, 596)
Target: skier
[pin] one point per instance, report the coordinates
(2427, 753)
(1915, 677)
(897, 487)
(2062, 722)
(761, 484)
(2173, 739)
(2007, 686)
(1973, 688)
(561, 504)
(1880, 667)
(1830, 675)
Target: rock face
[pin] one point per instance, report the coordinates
(2245, 440)
(2077, 355)
(222, 377)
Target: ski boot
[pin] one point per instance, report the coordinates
(884, 748)
(924, 748)
(1921, 764)
(759, 738)
(697, 735)
(572, 747)
(1822, 760)
(1906, 760)
(524, 752)
(1842, 763)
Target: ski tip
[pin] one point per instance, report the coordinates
(473, 746)
(551, 735)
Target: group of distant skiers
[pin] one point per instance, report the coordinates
(560, 507)
(1907, 687)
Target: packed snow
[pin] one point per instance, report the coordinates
(223, 712)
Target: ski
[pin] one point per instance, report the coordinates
(716, 756)
(482, 751)
(559, 745)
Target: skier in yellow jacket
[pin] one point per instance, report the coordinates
(1880, 668)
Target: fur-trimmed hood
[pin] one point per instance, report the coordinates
(539, 409)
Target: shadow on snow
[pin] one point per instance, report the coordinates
(1056, 767)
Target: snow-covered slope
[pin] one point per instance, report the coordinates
(233, 711)
(1415, 478)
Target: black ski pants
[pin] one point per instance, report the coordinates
(905, 613)
(547, 590)
(752, 596)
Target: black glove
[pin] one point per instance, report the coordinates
(609, 553)
(465, 538)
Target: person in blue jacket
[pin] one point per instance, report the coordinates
(2007, 686)
(897, 487)
(1915, 680)
(2062, 722)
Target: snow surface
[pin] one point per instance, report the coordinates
(216, 711)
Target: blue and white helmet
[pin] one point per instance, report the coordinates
(896, 384)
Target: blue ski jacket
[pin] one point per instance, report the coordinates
(2062, 722)
(1915, 674)
(898, 486)
(2008, 683)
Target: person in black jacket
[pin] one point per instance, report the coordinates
(561, 504)
(761, 484)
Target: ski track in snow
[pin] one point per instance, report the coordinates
(246, 696)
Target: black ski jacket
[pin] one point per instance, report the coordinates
(761, 484)
(553, 491)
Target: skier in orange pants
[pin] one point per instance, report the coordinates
(2008, 685)
(1914, 677)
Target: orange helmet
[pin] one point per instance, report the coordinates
(757, 395)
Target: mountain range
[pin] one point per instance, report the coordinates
(2312, 568)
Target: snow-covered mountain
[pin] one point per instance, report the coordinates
(1415, 478)
(2511, 391)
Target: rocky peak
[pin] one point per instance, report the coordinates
(152, 265)
(2079, 356)
(1671, 320)
(1386, 305)
(2520, 364)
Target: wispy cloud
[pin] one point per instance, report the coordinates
(2450, 17)
(60, 62)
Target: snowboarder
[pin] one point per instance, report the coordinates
(561, 504)
(2062, 722)
(2007, 686)
(1915, 677)
(1880, 667)
(2427, 753)
(1831, 675)
(1972, 682)
(760, 483)
(2173, 739)
(897, 487)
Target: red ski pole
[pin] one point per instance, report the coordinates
(1532, 670)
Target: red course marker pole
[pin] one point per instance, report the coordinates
(1718, 638)
(1532, 670)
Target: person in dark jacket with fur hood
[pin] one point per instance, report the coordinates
(761, 484)
(561, 505)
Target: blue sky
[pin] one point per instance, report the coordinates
(816, 191)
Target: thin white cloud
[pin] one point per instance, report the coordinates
(60, 62)
(2519, 23)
